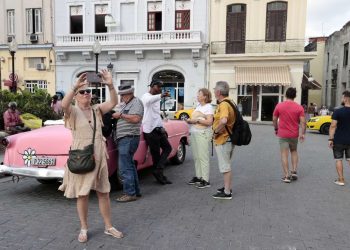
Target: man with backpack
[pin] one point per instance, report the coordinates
(286, 119)
(224, 118)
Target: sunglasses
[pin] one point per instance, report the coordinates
(83, 91)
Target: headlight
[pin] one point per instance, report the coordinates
(5, 142)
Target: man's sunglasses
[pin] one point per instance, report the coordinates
(83, 91)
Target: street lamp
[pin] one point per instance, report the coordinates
(13, 49)
(2, 59)
(96, 48)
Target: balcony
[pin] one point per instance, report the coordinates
(122, 38)
(257, 46)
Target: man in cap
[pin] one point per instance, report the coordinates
(12, 121)
(153, 130)
(127, 137)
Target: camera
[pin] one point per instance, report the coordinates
(92, 77)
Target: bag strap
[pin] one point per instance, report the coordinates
(233, 106)
(93, 137)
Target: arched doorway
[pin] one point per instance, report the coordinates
(174, 84)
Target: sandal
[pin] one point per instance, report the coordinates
(114, 232)
(82, 238)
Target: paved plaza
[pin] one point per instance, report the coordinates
(312, 213)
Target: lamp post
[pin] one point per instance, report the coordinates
(110, 67)
(13, 49)
(2, 59)
(96, 48)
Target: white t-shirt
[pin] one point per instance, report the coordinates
(206, 109)
(151, 116)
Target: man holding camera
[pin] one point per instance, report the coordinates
(153, 130)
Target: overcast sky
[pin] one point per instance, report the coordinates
(326, 16)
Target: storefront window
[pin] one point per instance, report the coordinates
(270, 89)
(245, 99)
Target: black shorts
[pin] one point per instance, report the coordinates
(339, 150)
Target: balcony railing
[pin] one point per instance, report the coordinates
(257, 46)
(122, 38)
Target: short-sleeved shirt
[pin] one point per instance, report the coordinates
(289, 114)
(201, 111)
(342, 133)
(11, 118)
(124, 128)
(224, 110)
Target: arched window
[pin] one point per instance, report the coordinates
(276, 21)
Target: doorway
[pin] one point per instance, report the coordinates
(174, 84)
(268, 105)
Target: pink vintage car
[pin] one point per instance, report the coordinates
(42, 153)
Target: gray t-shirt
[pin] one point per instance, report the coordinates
(124, 128)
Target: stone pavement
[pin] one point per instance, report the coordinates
(312, 213)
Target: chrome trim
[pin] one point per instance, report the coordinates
(41, 173)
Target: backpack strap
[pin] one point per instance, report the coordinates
(235, 109)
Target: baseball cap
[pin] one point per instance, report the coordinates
(156, 82)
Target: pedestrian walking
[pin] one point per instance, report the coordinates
(153, 130)
(127, 137)
(79, 119)
(324, 111)
(339, 136)
(287, 117)
(201, 134)
(224, 117)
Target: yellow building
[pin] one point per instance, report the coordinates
(258, 48)
(28, 24)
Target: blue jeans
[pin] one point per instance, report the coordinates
(127, 147)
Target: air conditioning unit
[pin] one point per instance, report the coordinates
(40, 66)
(10, 38)
(33, 38)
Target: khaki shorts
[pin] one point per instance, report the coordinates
(224, 153)
(289, 143)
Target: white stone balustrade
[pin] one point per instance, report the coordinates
(122, 38)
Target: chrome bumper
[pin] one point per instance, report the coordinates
(40, 173)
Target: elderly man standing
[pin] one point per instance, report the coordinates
(129, 117)
(154, 132)
(224, 117)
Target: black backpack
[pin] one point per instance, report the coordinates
(240, 134)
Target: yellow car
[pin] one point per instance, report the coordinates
(320, 123)
(184, 114)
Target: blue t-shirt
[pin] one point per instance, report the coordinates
(342, 133)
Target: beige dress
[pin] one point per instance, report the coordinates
(75, 185)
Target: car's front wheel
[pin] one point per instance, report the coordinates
(47, 181)
(180, 156)
(325, 128)
(183, 116)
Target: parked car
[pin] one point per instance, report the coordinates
(183, 114)
(43, 153)
(320, 123)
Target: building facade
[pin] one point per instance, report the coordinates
(141, 40)
(29, 24)
(313, 73)
(258, 48)
(336, 66)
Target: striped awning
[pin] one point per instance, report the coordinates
(260, 75)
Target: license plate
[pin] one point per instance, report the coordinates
(44, 161)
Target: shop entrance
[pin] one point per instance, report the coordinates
(174, 84)
(268, 104)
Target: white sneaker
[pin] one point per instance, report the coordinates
(339, 183)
